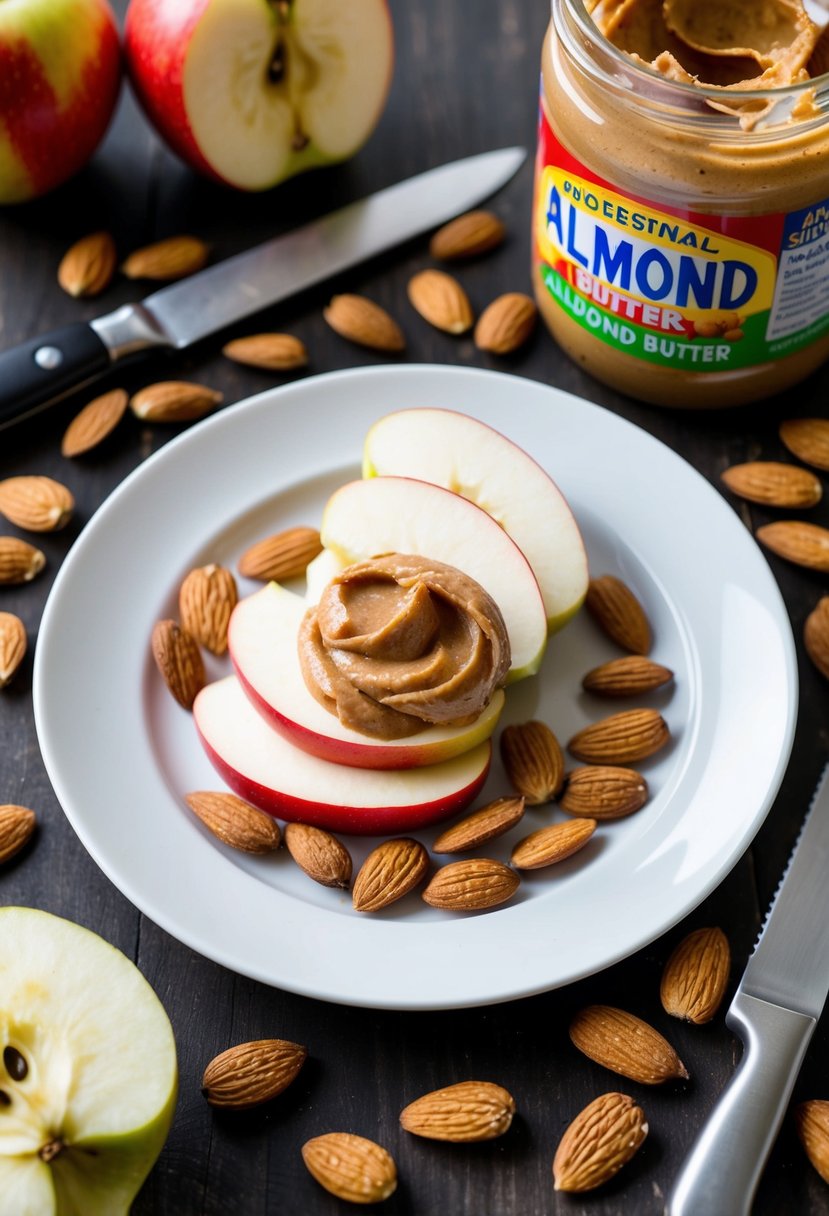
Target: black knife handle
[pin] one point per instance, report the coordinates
(37, 372)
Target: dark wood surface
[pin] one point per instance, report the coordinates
(465, 81)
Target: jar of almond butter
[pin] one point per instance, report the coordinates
(681, 214)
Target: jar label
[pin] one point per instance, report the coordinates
(683, 289)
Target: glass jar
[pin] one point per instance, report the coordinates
(681, 252)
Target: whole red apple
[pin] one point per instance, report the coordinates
(60, 72)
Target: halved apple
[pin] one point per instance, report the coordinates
(400, 515)
(471, 458)
(264, 768)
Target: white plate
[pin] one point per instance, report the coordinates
(121, 754)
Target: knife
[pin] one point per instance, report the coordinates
(41, 371)
(774, 1012)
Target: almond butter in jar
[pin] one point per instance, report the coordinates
(681, 230)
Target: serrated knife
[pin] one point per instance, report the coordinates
(774, 1012)
(43, 370)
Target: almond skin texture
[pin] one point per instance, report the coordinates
(272, 352)
(470, 234)
(351, 1167)
(178, 658)
(626, 677)
(808, 439)
(17, 824)
(601, 791)
(206, 599)
(440, 300)
(599, 1141)
(13, 644)
(816, 635)
(20, 562)
(281, 556)
(468, 1111)
(773, 484)
(626, 1045)
(362, 321)
(622, 738)
(696, 976)
(476, 829)
(389, 872)
(471, 886)
(174, 401)
(551, 844)
(812, 1123)
(163, 261)
(36, 504)
(533, 759)
(252, 1073)
(319, 854)
(95, 421)
(506, 323)
(798, 542)
(618, 612)
(235, 822)
(88, 266)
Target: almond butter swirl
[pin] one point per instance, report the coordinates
(398, 643)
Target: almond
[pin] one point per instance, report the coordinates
(476, 829)
(812, 1123)
(281, 556)
(235, 822)
(696, 975)
(618, 612)
(173, 258)
(319, 854)
(798, 542)
(20, 562)
(95, 421)
(206, 599)
(469, 886)
(12, 646)
(774, 484)
(625, 1044)
(552, 843)
(17, 824)
(38, 504)
(467, 236)
(178, 658)
(599, 1141)
(441, 301)
(506, 323)
(816, 635)
(600, 791)
(273, 352)
(351, 1167)
(626, 677)
(532, 757)
(808, 439)
(389, 872)
(621, 739)
(468, 1111)
(251, 1073)
(88, 266)
(362, 321)
(174, 401)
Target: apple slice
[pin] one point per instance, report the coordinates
(262, 638)
(88, 1072)
(399, 515)
(264, 768)
(469, 457)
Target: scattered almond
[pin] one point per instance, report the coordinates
(816, 635)
(95, 421)
(774, 484)
(173, 258)
(808, 439)
(441, 301)
(88, 266)
(351, 1167)
(12, 646)
(812, 1123)
(284, 555)
(629, 676)
(696, 975)
(599, 1141)
(206, 599)
(470, 886)
(391, 870)
(174, 401)
(319, 854)
(622, 738)
(476, 829)
(362, 321)
(468, 1111)
(533, 759)
(20, 562)
(600, 791)
(273, 352)
(618, 612)
(37, 504)
(235, 822)
(506, 323)
(625, 1044)
(798, 542)
(467, 236)
(552, 843)
(17, 824)
(252, 1073)
(178, 658)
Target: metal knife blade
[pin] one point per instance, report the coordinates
(47, 368)
(774, 1011)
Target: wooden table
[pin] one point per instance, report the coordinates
(463, 84)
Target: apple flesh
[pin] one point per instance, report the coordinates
(265, 769)
(478, 462)
(88, 1073)
(254, 91)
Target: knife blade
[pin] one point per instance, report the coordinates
(47, 368)
(774, 1012)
